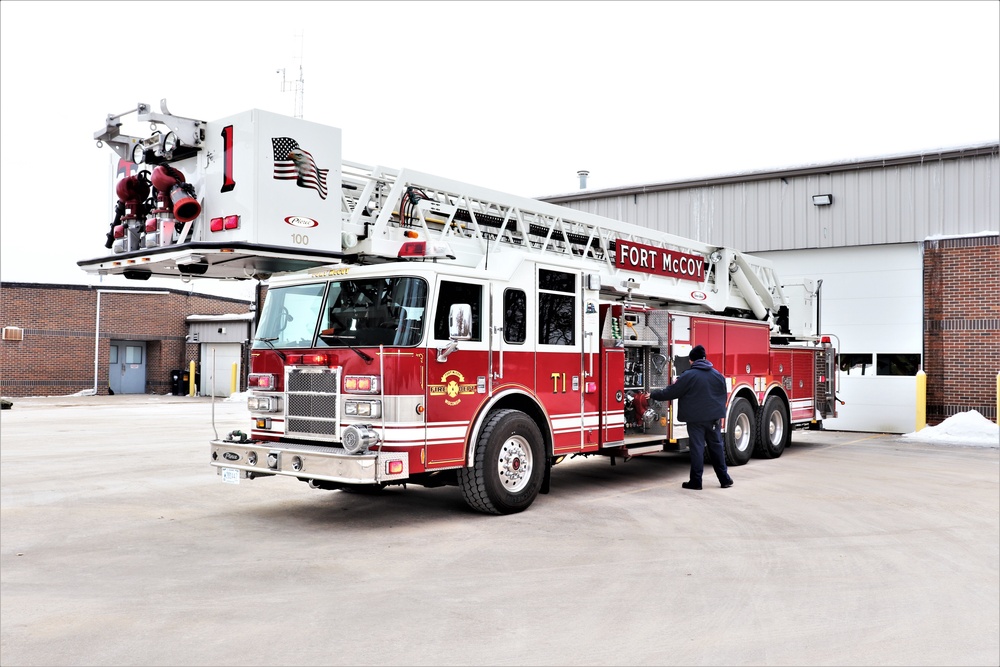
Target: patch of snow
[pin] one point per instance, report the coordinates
(965, 428)
(238, 397)
(939, 237)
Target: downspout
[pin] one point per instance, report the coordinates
(819, 306)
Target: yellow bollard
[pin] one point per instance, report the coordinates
(232, 380)
(191, 384)
(921, 399)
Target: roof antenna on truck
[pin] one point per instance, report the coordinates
(299, 85)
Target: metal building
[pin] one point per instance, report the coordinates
(861, 227)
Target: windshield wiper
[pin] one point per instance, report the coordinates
(328, 333)
(270, 344)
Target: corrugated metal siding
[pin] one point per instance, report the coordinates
(871, 206)
(234, 331)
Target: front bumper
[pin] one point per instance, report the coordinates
(328, 463)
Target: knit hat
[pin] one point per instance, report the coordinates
(698, 352)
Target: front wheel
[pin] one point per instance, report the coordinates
(508, 465)
(739, 434)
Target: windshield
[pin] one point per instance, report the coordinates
(374, 311)
(289, 316)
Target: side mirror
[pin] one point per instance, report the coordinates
(460, 321)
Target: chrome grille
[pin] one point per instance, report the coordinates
(312, 396)
(313, 405)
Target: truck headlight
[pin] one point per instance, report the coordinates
(371, 409)
(263, 404)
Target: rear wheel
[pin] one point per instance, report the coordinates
(508, 465)
(773, 430)
(739, 439)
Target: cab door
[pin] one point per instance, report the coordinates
(559, 371)
(457, 370)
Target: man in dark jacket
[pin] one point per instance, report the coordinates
(702, 393)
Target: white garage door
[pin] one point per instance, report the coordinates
(217, 360)
(872, 301)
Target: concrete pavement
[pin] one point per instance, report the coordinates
(119, 545)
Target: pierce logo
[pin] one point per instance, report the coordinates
(231, 456)
(301, 221)
(699, 296)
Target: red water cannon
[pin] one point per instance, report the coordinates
(133, 191)
(131, 208)
(171, 183)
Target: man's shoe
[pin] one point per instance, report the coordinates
(728, 484)
(692, 486)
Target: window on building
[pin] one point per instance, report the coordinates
(856, 364)
(556, 307)
(113, 355)
(133, 354)
(515, 304)
(897, 364)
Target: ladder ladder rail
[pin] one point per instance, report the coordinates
(450, 211)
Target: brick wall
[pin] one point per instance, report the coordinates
(961, 325)
(56, 355)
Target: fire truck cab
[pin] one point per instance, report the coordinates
(419, 330)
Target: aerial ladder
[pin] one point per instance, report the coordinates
(392, 214)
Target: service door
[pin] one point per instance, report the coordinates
(127, 367)
(217, 360)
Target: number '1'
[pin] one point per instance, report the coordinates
(227, 159)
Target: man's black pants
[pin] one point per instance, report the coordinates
(700, 433)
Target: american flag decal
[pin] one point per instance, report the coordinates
(292, 163)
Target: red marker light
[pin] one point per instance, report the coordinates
(314, 359)
(261, 380)
(413, 249)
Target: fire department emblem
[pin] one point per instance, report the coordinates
(452, 385)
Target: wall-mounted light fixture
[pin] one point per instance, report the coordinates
(822, 200)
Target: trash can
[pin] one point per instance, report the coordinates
(176, 383)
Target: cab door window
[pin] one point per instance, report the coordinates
(556, 307)
(515, 307)
(451, 293)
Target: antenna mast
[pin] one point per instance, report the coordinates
(299, 85)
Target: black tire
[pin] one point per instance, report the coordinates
(508, 465)
(773, 429)
(739, 436)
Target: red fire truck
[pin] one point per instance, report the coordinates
(420, 330)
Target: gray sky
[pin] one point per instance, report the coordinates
(514, 96)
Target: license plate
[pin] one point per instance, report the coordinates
(230, 475)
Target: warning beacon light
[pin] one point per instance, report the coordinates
(171, 182)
